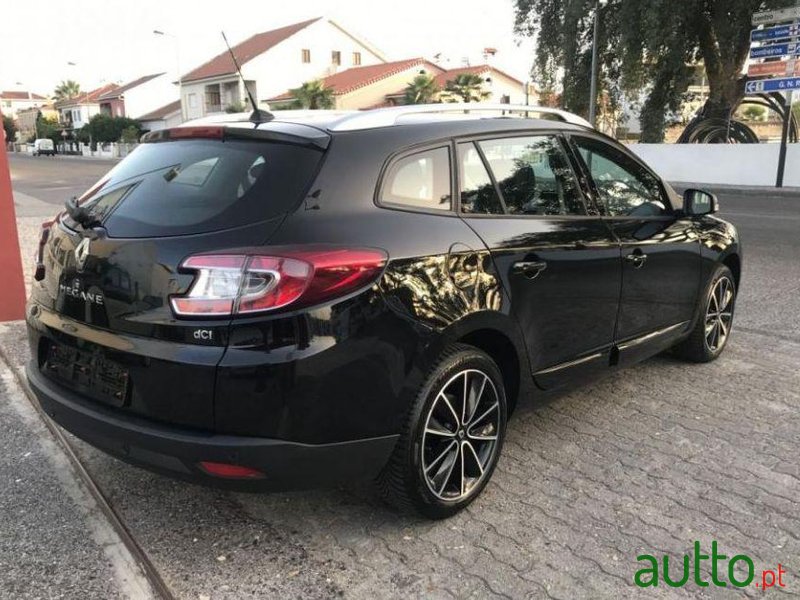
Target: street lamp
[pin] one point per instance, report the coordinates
(593, 77)
(177, 43)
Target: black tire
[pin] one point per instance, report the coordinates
(433, 426)
(700, 346)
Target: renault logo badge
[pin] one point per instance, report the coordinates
(81, 253)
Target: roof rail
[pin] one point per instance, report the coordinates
(385, 117)
(223, 118)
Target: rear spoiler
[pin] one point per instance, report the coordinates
(280, 132)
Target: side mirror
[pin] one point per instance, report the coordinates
(699, 202)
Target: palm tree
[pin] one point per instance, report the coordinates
(423, 90)
(314, 95)
(67, 89)
(466, 87)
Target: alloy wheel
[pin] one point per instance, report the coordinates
(719, 314)
(459, 442)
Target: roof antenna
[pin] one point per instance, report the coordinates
(258, 116)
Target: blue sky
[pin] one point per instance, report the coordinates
(110, 40)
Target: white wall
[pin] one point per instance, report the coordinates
(81, 114)
(172, 120)
(149, 96)
(733, 164)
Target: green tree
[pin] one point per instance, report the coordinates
(131, 134)
(48, 128)
(104, 128)
(313, 95)
(422, 90)
(466, 87)
(644, 46)
(236, 107)
(67, 89)
(753, 112)
(10, 129)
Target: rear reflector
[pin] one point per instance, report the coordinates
(229, 471)
(236, 284)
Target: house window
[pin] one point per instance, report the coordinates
(356, 58)
(306, 55)
(336, 58)
(192, 98)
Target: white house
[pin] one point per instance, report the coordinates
(11, 102)
(385, 85)
(75, 112)
(499, 85)
(139, 97)
(272, 62)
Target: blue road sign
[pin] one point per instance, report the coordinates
(792, 49)
(784, 84)
(775, 33)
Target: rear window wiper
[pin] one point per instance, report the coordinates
(80, 215)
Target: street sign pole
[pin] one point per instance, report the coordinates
(789, 70)
(784, 140)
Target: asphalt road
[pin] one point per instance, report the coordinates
(645, 461)
(54, 179)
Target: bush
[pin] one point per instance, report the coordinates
(754, 112)
(10, 129)
(104, 128)
(130, 135)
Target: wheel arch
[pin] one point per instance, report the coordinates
(497, 335)
(734, 262)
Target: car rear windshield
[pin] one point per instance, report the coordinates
(196, 186)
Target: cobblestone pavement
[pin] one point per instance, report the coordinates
(647, 460)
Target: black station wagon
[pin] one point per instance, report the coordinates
(330, 296)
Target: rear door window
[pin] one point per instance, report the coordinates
(197, 186)
(478, 193)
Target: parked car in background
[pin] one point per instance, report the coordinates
(44, 146)
(325, 296)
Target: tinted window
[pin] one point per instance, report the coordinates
(478, 194)
(534, 176)
(420, 180)
(196, 186)
(624, 186)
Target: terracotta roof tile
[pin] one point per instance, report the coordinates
(162, 112)
(16, 95)
(245, 52)
(87, 97)
(117, 92)
(443, 78)
(358, 77)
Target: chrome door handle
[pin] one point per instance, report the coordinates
(638, 259)
(529, 269)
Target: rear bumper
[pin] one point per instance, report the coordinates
(177, 452)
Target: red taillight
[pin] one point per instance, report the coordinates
(238, 284)
(196, 132)
(229, 471)
(212, 132)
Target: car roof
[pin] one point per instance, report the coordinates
(449, 119)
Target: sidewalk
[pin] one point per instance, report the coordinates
(55, 542)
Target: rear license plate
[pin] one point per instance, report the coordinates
(89, 373)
